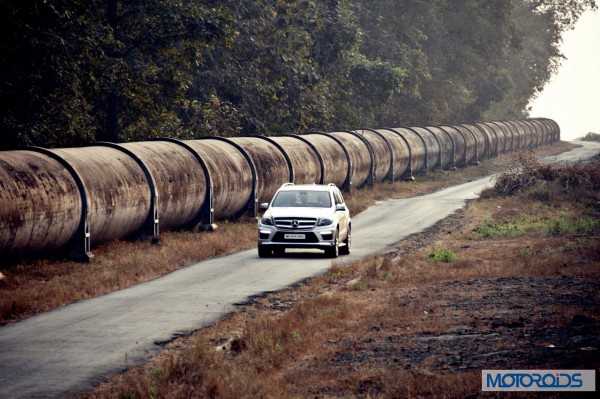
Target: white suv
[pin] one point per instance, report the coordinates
(305, 216)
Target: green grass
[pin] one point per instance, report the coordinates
(504, 228)
(441, 255)
(565, 223)
(538, 224)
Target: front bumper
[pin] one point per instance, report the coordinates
(319, 237)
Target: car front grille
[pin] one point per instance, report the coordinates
(295, 223)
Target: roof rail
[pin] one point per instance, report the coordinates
(287, 184)
(332, 184)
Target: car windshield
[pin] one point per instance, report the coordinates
(302, 198)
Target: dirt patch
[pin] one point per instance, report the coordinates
(432, 336)
(404, 325)
(503, 323)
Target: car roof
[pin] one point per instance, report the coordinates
(311, 187)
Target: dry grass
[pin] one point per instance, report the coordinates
(359, 200)
(260, 353)
(547, 182)
(36, 286)
(343, 334)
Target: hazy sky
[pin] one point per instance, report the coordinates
(572, 97)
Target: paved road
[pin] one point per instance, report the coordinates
(75, 347)
(586, 152)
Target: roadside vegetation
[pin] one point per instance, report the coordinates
(36, 286)
(370, 329)
(76, 72)
(511, 281)
(590, 136)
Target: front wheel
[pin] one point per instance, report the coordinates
(345, 250)
(333, 252)
(264, 251)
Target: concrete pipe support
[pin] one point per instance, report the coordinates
(362, 158)
(481, 139)
(179, 180)
(522, 133)
(382, 153)
(460, 145)
(446, 145)
(232, 174)
(336, 161)
(504, 136)
(116, 187)
(472, 144)
(495, 137)
(305, 161)
(401, 154)
(418, 150)
(517, 138)
(273, 166)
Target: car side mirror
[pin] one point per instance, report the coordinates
(264, 206)
(340, 208)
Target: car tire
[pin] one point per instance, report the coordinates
(334, 251)
(278, 251)
(264, 251)
(345, 249)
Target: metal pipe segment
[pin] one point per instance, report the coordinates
(69, 199)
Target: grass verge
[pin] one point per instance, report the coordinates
(420, 321)
(32, 287)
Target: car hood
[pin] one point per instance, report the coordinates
(299, 212)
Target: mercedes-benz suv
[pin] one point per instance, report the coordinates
(305, 216)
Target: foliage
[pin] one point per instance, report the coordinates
(533, 58)
(566, 223)
(552, 185)
(74, 71)
(274, 68)
(538, 224)
(441, 255)
(504, 228)
(590, 136)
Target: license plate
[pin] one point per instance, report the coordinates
(294, 236)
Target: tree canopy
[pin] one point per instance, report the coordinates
(77, 71)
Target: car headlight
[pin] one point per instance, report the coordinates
(325, 222)
(266, 221)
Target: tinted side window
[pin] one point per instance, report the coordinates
(338, 197)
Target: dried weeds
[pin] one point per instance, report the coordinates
(550, 182)
(399, 325)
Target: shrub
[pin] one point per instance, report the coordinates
(505, 228)
(590, 136)
(441, 255)
(566, 224)
(552, 183)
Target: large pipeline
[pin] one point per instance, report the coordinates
(72, 198)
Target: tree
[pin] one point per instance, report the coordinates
(535, 56)
(154, 50)
(564, 14)
(278, 72)
(75, 70)
(43, 74)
